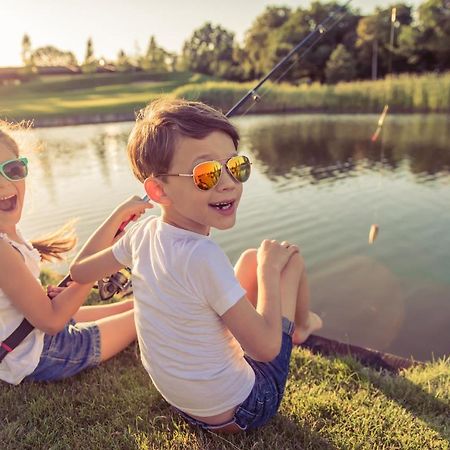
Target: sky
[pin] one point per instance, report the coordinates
(117, 25)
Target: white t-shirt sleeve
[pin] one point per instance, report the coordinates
(212, 277)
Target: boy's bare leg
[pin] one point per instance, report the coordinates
(94, 312)
(245, 271)
(295, 292)
(306, 321)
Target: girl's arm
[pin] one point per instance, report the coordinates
(259, 330)
(28, 296)
(96, 260)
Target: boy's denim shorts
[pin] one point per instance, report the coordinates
(68, 352)
(265, 397)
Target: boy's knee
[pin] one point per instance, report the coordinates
(297, 261)
(249, 256)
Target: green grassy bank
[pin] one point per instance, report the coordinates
(330, 403)
(117, 96)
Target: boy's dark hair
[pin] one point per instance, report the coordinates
(152, 141)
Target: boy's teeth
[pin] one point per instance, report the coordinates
(222, 205)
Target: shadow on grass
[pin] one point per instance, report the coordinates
(409, 395)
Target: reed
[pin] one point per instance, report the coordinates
(404, 93)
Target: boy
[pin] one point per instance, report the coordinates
(215, 342)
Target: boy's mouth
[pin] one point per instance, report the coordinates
(8, 203)
(226, 207)
(222, 205)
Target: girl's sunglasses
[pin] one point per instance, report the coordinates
(206, 175)
(14, 169)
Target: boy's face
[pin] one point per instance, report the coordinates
(12, 195)
(191, 208)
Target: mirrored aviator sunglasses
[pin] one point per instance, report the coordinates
(14, 169)
(207, 174)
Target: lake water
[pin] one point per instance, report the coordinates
(318, 181)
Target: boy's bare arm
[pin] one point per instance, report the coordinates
(259, 330)
(104, 236)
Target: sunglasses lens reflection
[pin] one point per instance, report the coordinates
(207, 174)
(239, 167)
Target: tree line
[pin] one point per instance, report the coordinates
(396, 39)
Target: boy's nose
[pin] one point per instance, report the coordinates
(226, 181)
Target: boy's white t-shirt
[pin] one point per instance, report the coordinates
(183, 282)
(25, 357)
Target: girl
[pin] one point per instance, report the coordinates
(67, 338)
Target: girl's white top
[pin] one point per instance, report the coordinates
(183, 283)
(25, 357)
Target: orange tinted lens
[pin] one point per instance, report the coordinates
(239, 167)
(207, 174)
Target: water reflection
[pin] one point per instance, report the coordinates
(330, 148)
(317, 181)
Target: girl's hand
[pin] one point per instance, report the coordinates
(131, 209)
(53, 291)
(273, 255)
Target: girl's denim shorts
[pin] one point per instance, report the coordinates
(265, 397)
(72, 350)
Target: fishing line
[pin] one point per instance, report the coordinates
(375, 227)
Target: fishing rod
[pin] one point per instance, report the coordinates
(305, 44)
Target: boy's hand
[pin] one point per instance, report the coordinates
(273, 255)
(131, 209)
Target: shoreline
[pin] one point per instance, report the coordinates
(99, 118)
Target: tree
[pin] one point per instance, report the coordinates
(341, 65)
(155, 57)
(89, 56)
(26, 50)
(425, 43)
(258, 49)
(123, 62)
(373, 43)
(209, 51)
(278, 30)
(52, 56)
(90, 62)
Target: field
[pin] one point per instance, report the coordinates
(104, 97)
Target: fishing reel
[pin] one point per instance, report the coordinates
(116, 283)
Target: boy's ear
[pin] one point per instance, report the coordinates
(155, 190)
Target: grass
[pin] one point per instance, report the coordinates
(88, 95)
(330, 403)
(65, 96)
(405, 93)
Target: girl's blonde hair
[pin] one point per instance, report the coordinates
(52, 245)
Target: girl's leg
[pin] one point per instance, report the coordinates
(294, 292)
(91, 313)
(116, 333)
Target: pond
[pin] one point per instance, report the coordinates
(318, 181)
